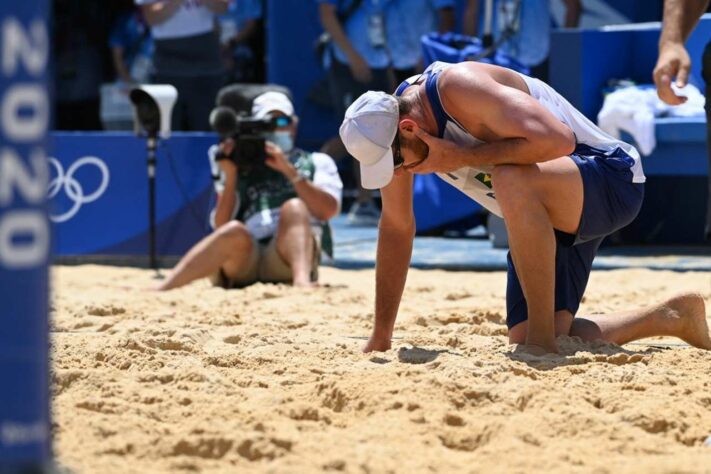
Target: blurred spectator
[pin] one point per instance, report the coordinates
(79, 47)
(242, 39)
(131, 48)
(674, 64)
(524, 28)
(357, 60)
(407, 22)
(187, 55)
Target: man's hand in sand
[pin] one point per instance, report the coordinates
(377, 344)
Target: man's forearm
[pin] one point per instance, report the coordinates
(513, 151)
(330, 23)
(447, 20)
(470, 24)
(321, 205)
(226, 203)
(119, 64)
(680, 17)
(573, 9)
(393, 260)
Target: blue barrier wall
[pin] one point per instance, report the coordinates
(99, 189)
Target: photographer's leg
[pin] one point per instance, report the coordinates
(230, 247)
(295, 240)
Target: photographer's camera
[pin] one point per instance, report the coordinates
(248, 133)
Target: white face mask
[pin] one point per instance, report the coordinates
(283, 140)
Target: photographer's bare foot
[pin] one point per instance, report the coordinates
(306, 284)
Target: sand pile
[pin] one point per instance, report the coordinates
(270, 379)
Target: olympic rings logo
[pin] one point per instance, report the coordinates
(73, 188)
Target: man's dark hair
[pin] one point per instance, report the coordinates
(405, 104)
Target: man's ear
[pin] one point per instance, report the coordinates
(407, 128)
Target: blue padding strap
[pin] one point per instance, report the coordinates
(435, 103)
(401, 88)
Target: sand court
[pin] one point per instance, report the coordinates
(271, 379)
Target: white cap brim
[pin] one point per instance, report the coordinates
(379, 174)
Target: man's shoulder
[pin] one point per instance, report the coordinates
(463, 73)
(461, 82)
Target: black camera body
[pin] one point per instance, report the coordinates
(248, 134)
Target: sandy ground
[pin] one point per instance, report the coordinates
(271, 379)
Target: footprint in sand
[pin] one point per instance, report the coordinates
(232, 339)
(107, 310)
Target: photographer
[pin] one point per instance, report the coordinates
(269, 216)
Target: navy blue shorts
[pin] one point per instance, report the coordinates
(610, 201)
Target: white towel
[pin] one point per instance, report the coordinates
(633, 110)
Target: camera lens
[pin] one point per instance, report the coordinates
(223, 120)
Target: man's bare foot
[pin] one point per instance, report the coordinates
(305, 284)
(687, 315)
(541, 346)
(535, 350)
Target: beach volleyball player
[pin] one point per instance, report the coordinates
(517, 147)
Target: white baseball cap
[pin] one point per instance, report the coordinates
(368, 131)
(271, 101)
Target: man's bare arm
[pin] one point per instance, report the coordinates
(573, 10)
(117, 55)
(395, 235)
(470, 22)
(226, 201)
(321, 205)
(329, 21)
(447, 20)
(680, 17)
(517, 128)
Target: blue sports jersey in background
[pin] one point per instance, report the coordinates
(132, 35)
(406, 22)
(531, 44)
(356, 28)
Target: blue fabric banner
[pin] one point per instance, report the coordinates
(24, 237)
(98, 186)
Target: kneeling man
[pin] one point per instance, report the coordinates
(517, 147)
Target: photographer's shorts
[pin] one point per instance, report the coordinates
(265, 265)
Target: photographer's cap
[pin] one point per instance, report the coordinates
(368, 131)
(268, 102)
